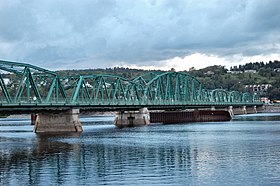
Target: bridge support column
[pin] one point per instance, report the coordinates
(244, 110)
(132, 118)
(33, 119)
(230, 110)
(58, 121)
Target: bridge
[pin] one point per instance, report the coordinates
(26, 88)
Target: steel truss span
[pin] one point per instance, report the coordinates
(28, 87)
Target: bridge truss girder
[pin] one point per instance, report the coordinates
(29, 84)
(23, 84)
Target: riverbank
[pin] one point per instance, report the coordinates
(270, 108)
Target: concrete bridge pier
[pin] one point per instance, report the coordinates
(33, 119)
(230, 110)
(132, 118)
(244, 109)
(58, 121)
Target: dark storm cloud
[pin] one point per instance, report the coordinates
(75, 34)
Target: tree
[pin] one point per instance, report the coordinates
(273, 93)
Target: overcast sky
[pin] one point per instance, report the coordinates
(149, 34)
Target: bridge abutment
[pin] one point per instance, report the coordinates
(58, 121)
(132, 118)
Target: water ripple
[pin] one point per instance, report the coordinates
(240, 152)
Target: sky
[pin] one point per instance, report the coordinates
(146, 34)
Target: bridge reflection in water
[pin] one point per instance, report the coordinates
(52, 161)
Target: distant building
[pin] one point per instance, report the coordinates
(235, 72)
(250, 71)
(276, 70)
(258, 88)
(209, 73)
(265, 100)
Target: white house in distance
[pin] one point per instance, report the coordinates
(258, 88)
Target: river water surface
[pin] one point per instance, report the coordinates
(244, 151)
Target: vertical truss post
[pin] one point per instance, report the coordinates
(5, 91)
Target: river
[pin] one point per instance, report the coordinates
(244, 151)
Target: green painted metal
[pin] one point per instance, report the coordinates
(247, 98)
(235, 96)
(25, 86)
(4, 90)
(29, 84)
(219, 95)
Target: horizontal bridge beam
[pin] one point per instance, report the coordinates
(29, 108)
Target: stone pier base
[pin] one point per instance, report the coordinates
(132, 118)
(58, 121)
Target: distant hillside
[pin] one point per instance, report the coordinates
(212, 77)
(118, 71)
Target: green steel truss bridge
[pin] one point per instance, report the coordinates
(25, 87)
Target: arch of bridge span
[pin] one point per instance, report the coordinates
(247, 97)
(171, 87)
(25, 83)
(220, 95)
(99, 89)
(235, 96)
